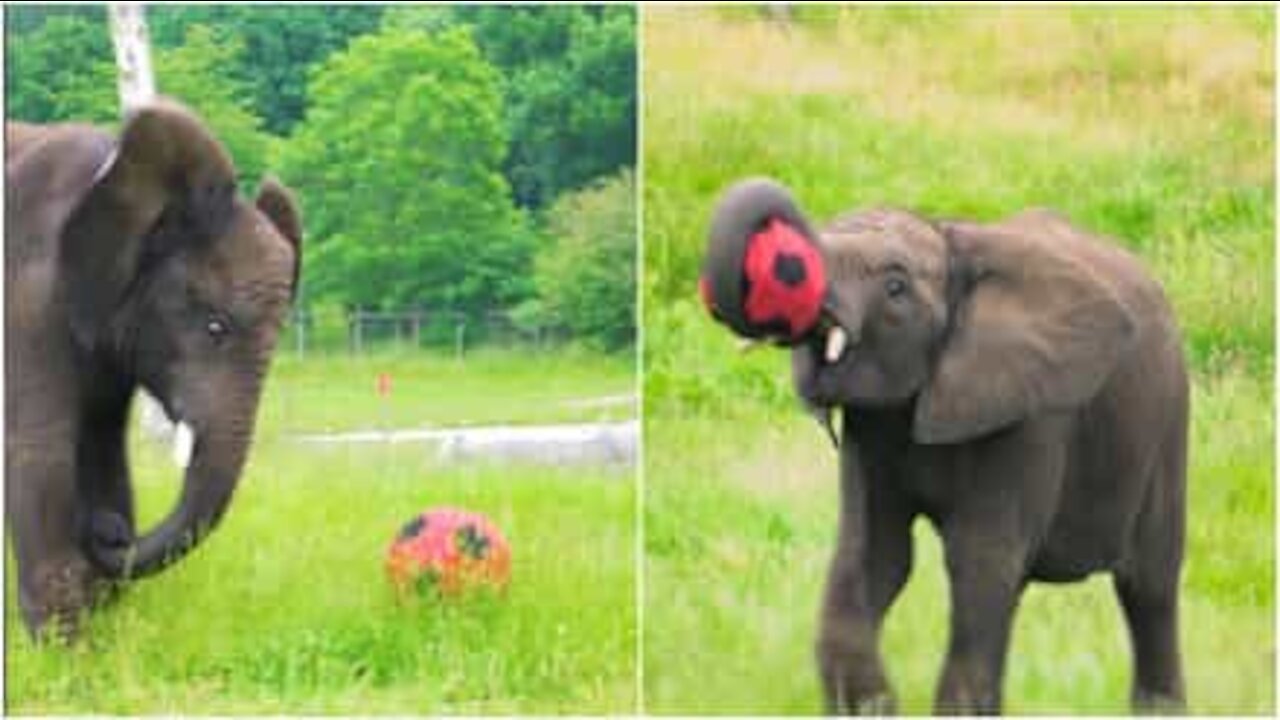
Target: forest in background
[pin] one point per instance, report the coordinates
(460, 159)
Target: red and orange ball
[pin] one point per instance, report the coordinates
(448, 552)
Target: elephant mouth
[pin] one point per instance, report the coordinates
(830, 346)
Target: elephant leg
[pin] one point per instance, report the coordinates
(1152, 616)
(1147, 587)
(55, 580)
(109, 508)
(106, 513)
(1146, 584)
(870, 567)
(106, 494)
(986, 583)
(999, 508)
(103, 471)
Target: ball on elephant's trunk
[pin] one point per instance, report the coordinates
(447, 552)
(763, 275)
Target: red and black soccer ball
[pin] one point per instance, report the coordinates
(763, 275)
(448, 552)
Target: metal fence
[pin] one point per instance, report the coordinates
(361, 332)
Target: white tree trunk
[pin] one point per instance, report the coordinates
(137, 86)
(133, 55)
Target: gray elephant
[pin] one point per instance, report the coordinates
(130, 262)
(1020, 384)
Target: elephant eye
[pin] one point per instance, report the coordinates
(217, 327)
(895, 287)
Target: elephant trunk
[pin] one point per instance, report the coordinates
(216, 461)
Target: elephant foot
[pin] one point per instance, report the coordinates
(966, 696)
(1148, 702)
(58, 595)
(854, 682)
(875, 705)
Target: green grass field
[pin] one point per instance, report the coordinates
(286, 608)
(1152, 127)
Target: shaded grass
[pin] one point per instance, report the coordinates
(286, 608)
(1152, 127)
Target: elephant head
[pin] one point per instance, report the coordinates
(979, 326)
(181, 286)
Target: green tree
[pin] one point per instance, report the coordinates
(398, 165)
(55, 50)
(20, 20)
(59, 58)
(281, 45)
(586, 281)
(569, 88)
(573, 64)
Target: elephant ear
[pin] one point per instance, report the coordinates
(1038, 327)
(277, 204)
(167, 183)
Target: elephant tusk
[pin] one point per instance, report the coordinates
(184, 444)
(837, 341)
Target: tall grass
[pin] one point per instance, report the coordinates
(1152, 127)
